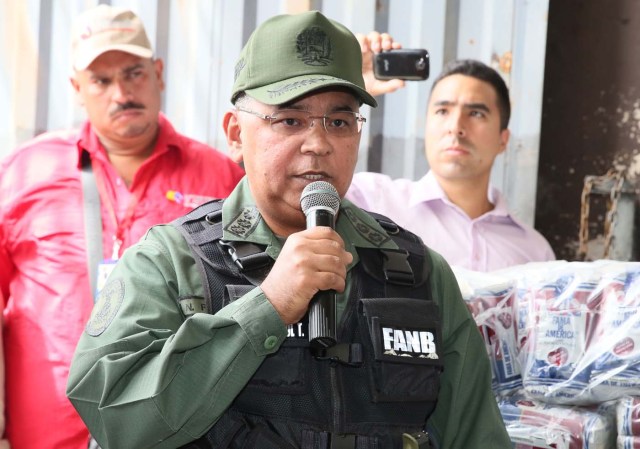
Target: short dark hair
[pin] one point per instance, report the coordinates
(481, 71)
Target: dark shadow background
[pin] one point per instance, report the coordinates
(591, 111)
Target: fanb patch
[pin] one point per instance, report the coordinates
(106, 307)
(314, 47)
(399, 343)
(403, 342)
(404, 330)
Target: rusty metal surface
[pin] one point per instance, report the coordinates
(591, 110)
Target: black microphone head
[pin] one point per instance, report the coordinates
(320, 195)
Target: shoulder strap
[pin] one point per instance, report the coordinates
(92, 220)
(203, 224)
(202, 227)
(221, 263)
(406, 269)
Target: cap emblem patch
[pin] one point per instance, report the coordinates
(314, 47)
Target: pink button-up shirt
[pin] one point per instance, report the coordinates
(43, 263)
(492, 241)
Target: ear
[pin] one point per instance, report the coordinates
(74, 83)
(158, 67)
(505, 134)
(231, 126)
(76, 87)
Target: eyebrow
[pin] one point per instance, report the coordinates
(479, 106)
(133, 68)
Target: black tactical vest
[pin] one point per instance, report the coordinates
(379, 382)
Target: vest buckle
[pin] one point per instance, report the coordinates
(214, 217)
(396, 267)
(349, 354)
(246, 256)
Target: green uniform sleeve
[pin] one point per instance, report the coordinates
(467, 415)
(143, 375)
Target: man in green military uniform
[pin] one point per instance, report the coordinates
(200, 337)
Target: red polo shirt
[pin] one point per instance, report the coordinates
(43, 262)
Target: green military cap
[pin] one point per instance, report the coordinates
(291, 55)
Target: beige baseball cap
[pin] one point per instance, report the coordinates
(105, 28)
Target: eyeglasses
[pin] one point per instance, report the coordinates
(290, 122)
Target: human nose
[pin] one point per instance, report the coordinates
(122, 91)
(315, 140)
(456, 125)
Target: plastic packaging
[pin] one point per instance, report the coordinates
(532, 424)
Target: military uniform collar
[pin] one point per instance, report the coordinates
(241, 221)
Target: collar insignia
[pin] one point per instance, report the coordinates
(372, 235)
(244, 223)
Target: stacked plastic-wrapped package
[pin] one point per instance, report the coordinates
(628, 422)
(491, 300)
(564, 341)
(536, 425)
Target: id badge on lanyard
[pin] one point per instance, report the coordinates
(122, 226)
(107, 265)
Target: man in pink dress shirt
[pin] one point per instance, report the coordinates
(454, 208)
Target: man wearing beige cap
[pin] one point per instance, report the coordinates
(210, 332)
(70, 203)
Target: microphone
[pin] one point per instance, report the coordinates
(320, 203)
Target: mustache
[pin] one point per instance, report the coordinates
(124, 106)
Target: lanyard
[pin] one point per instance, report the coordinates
(124, 225)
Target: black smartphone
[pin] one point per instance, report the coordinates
(403, 63)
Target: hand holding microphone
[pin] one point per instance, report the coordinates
(310, 261)
(320, 203)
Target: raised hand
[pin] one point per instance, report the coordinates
(375, 42)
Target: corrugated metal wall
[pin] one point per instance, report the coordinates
(200, 40)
